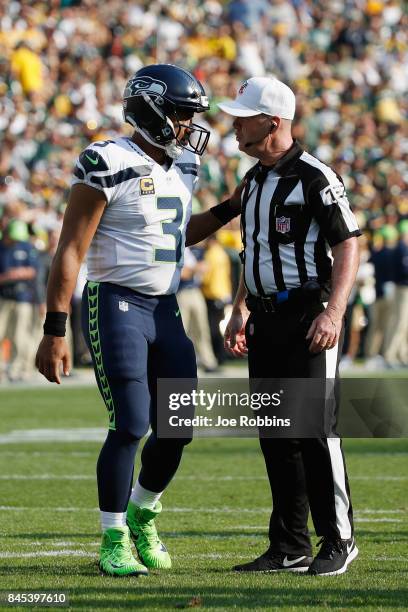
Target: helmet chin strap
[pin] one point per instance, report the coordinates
(172, 149)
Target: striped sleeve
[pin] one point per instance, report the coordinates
(331, 208)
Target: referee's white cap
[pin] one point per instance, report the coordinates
(262, 95)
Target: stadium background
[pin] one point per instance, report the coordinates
(63, 66)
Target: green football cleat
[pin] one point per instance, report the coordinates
(116, 557)
(151, 550)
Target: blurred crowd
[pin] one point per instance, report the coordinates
(63, 67)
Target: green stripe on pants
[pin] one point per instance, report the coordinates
(94, 337)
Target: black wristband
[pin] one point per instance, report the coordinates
(224, 212)
(55, 324)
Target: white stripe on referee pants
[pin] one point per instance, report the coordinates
(341, 498)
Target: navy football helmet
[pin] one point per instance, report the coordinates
(159, 94)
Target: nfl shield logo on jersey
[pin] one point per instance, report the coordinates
(283, 225)
(123, 306)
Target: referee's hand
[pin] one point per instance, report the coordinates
(324, 332)
(234, 336)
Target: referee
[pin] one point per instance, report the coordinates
(300, 261)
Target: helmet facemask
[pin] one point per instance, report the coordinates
(195, 137)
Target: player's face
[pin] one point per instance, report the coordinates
(181, 125)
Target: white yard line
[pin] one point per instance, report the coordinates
(77, 434)
(358, 519)
(83, 553)
(213, 510)
(182, 478)
(264, 478)
(96, 434)
(51, 509)
(379, 454)
(46, 477)
(393, 478)
(50, 453)
(47, 553)
(29, 453)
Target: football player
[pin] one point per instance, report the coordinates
(130, 210)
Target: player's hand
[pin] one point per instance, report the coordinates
(52, 352)
(234, 336)
(235, 198)
(324, 332)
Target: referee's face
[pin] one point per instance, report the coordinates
(252, 133)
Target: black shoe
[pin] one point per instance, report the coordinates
(333, 557)
(276, 562)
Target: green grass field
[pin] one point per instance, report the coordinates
(215, 514)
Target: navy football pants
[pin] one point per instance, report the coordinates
(134, 339)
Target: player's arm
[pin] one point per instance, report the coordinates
(82, 216)
(204, 224)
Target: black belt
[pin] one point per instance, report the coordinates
(309, 293)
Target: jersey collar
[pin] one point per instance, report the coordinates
(135, 147)
(284, 163)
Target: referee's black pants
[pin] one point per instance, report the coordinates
(302, 472)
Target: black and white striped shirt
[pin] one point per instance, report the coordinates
(292, 214)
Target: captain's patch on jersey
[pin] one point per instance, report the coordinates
(146, 186)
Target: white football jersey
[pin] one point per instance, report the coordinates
(140, 239)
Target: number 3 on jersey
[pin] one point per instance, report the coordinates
(170, 227)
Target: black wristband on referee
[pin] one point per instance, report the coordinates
(224, 212)
(55, 324)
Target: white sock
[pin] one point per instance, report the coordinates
(143, 497)
(112, 519)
